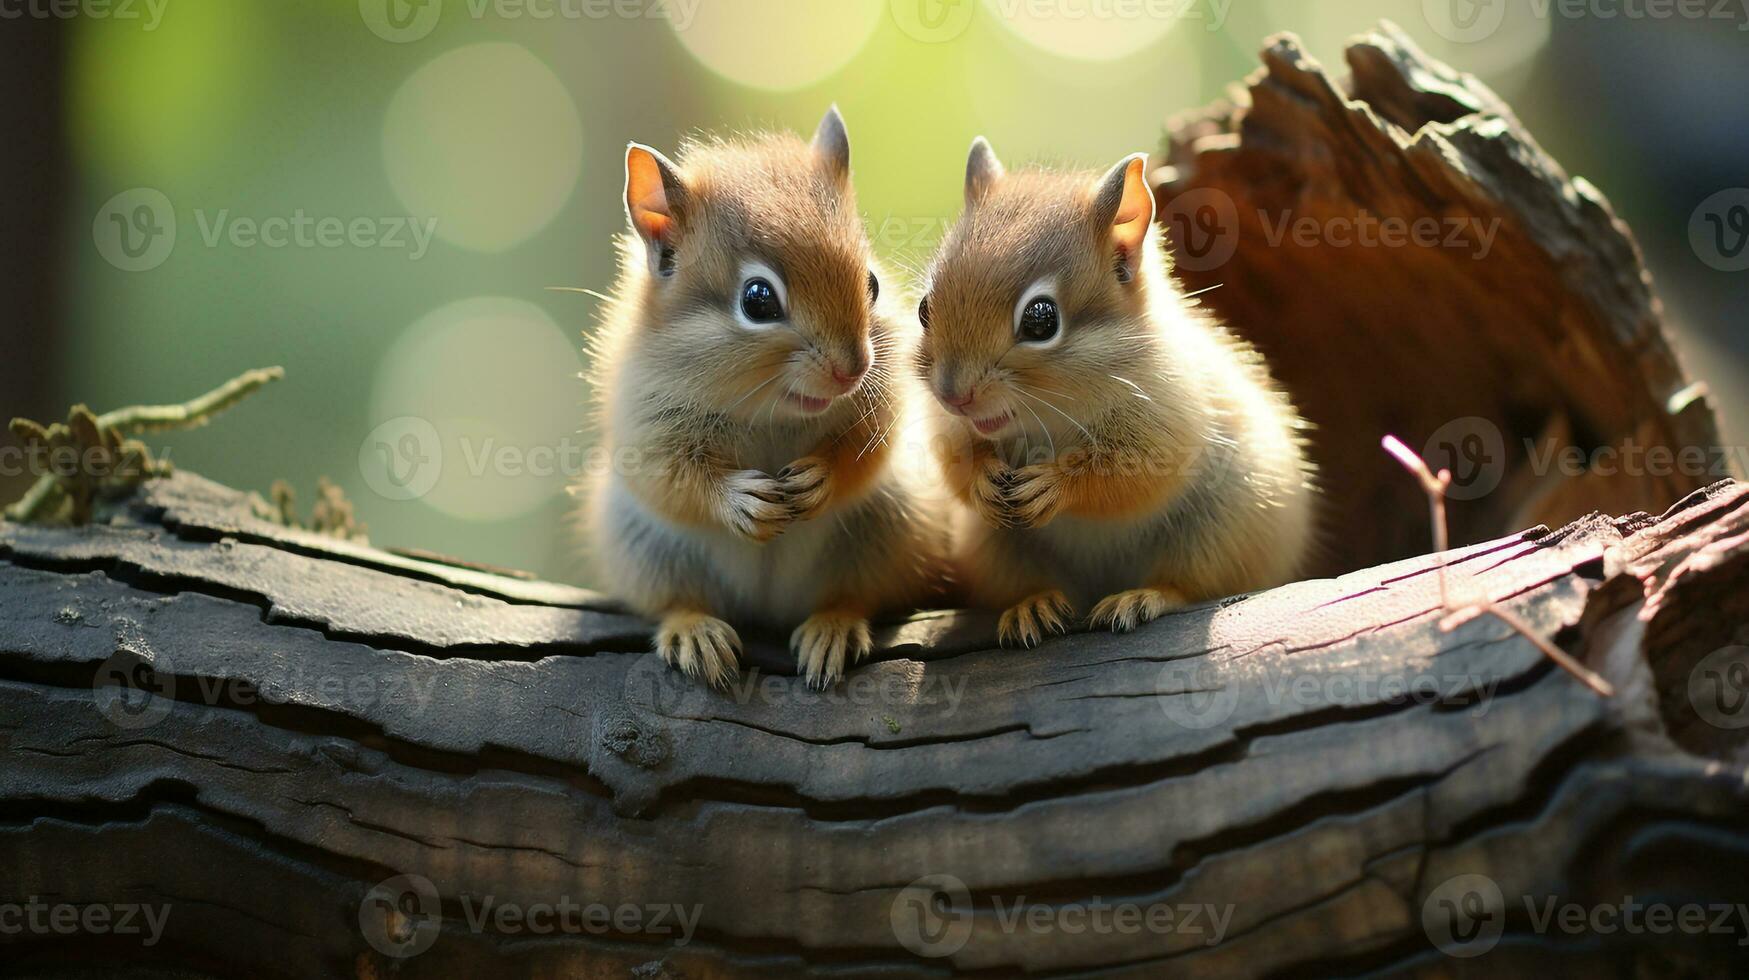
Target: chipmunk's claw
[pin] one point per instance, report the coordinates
(756, 506)
(1033, 618)
(1124, 611)
(806, 486)
(1034, 495)
(990, 494)
(826, 642)
(700, 646)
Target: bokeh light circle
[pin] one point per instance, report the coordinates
(497, 379)
(779, 45)
(1092, 30)
(486, 140)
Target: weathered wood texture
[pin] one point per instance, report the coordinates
(1525, 324)
(1316, 759)
(1314, 763)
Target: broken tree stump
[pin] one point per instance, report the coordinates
(308, 757)
(1523, 325)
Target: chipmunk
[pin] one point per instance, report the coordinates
(745, 392)
(1125, 449)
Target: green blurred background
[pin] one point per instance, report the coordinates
(507, 129)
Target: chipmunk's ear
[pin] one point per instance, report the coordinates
(1123, 204)
(653, 189)
(983, 170)
(832, 144)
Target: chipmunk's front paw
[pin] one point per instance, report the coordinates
(1125, 611)
(756, 506)
(1033, 618)
(1035, 495)
(807, 486)
(700, 646)
(825, 642)
(990, 487)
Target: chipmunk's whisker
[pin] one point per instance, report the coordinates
(1135, 387)
(756, 389)
(579, 289)
(1052, 443)
(1041, 400)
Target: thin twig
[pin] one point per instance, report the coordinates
(127, 461)
(190, 414)
(1435, 486)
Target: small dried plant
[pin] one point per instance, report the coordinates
(1457, 614)
(332, 515)
(91, 457)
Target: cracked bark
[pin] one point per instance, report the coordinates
(330, 715)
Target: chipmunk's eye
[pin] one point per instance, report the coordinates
(874, 288)
(760, 302)
(1039, 321)
(923, 312)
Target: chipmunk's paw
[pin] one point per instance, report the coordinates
(1033, 618)
(990, 485)
(1035, 495)
(825, 642)
(807, 486)
(1124, 611)
(700, 646)
(756, 506)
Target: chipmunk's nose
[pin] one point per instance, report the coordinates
(848, 370)
(957, 401)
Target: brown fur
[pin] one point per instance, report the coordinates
(741, 504)
(1149, 458)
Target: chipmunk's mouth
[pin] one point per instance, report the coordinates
(807, 404)
(992, 425)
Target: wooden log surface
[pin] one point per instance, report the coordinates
(314, 758)
(1308, 765)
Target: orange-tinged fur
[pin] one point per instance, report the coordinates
(1141, 457)
(728, 496)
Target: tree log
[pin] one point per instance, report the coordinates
(310, 757)
(256, 726)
